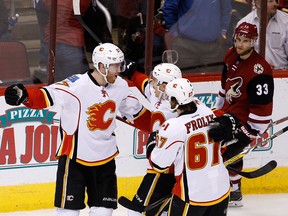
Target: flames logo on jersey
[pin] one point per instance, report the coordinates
(97, 112)
(234, 90)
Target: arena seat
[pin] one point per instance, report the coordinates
(14, 66)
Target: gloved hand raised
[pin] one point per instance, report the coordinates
(16, 94)
(131, 67)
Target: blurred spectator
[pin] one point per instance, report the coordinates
(70, 54)
(132, 15)
(3, 18)
(283, 5)
(276, 52)
(42, 14)
(197, 30)
(240, 8)
(131, 23)
(4, 33)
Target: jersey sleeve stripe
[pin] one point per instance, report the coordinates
(259, 118)
(37, 99)
(177, 141)
(48, 97)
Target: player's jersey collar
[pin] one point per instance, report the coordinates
(93, 79)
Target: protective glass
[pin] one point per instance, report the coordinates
(170, 56)
(117, 68)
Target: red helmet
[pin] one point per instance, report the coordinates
(248, 30)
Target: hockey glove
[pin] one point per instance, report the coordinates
(151, 143)
(242, 138)
(245, 135)
(16, 94)
(131, 67)
(223, 127)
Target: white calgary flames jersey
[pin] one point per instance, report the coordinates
(159, 109)
(160, 112)
(201, 177)
(88, 116)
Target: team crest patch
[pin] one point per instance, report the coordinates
(258, 68)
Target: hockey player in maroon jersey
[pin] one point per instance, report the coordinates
(202, 181)
(89, 103)
(246, 95)
(154, 185)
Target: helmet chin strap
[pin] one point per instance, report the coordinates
(105, 75)
(161, 93)
(170, 108)
(175, 108)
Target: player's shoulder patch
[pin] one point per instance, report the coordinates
(73, 78)
(258, 68)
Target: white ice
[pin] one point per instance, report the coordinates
(254, 205)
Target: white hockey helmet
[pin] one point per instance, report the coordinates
(181, 89)
(107, 54)
(166, 72)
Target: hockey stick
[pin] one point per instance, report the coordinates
(251, 148)
(278, 121)
(124, 201)
(158, 202)
(77, 14)
(271, 165)
(253, 174)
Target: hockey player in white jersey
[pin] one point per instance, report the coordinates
(154, 185)
(88, 146)
(202, 182)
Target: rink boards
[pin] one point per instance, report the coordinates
(29, 141)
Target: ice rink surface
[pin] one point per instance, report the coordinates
(254, 205)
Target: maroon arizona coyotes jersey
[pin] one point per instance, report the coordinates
(247, 86)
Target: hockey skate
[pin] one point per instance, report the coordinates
(235, 199)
